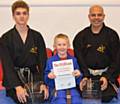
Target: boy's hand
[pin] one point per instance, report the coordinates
(51, 75)
(76, 73)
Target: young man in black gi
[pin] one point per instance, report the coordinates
(5, 64)
(96, 47)
(27, 50)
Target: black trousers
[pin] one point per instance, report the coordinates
(109, 93)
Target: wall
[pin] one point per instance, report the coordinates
(51, 17)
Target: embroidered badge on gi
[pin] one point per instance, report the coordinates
(33, 50)
(101, 49)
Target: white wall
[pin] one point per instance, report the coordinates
(51, 17)
(51, 2)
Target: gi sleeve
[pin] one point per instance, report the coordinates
(78, 49)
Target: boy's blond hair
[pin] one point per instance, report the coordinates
(63, 36)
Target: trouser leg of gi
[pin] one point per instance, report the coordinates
(108, 94)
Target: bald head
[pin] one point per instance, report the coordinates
(96, 8)
(96, 15)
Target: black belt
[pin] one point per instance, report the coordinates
(24, 74)
(32, 88)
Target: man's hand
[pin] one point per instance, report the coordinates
(43, 88)
(21, 94)
(104, 83)
(83, 83)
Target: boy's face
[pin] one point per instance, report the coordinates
(61, 45)
(21, 16)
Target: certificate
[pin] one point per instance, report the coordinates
(63, 71)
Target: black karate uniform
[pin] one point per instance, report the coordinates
(31, 54)
(7, 66)
(98, 51)
(118, 64)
